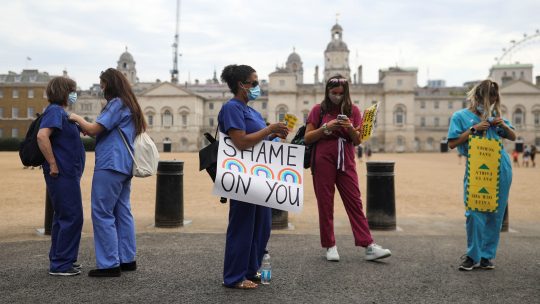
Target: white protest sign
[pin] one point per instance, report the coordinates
(369, 121)
(270, 174)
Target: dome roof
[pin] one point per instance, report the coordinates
(126, 56)
(294, 57)
(337, 27)
(337, 45)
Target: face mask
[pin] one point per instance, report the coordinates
(254, 93)
(335, 99)
(72, 98)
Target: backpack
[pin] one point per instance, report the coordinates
(145, 156)
(299, 140)
(29, 151)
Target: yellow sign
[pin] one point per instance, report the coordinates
(369, 121)
(290, 120)
(483, 162)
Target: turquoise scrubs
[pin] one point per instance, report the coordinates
(249, 226)
(114, 227)
(483, 228)
(65, 189)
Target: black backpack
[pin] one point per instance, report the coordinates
(299, 140)
(29, 151)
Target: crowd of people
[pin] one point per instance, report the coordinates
(333, 126)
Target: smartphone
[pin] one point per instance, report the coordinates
(342, 117)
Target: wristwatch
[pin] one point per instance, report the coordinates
(326, 131)
(473, 130)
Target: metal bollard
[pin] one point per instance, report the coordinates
(505, 225)
(444, 146)
(170, 194)
(381, 207)
(280, 219)
(49, 213)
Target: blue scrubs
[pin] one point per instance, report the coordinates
(249, 226)
(483, 228)
(114, 227)
(65, 189)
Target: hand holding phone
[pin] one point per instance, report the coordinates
(342, 117)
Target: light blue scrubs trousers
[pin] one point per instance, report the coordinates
(114, 228)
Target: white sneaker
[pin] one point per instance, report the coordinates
(375, 252)
(332, 254)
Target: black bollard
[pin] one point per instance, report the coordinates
(49, 213)
(280, 219)
(170, 194)
(444, 146)
(505, 225)
(381, 207)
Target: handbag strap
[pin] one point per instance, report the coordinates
(127, 146)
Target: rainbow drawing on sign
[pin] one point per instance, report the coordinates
(234, 164)
(289, 175)
(262, 170)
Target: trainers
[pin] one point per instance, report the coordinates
(332, 254)
(77, 266)
(69, 272)
(105, 272)
(486, 264)
(131, 266)
(468, 264)
(375, 252)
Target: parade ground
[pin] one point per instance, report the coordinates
(184, 265)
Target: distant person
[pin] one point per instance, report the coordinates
(368, 152)
(61, 145)
(333, 165)
(533, 154)
(515, 158)
(359, 151)
(483, 228)
(114, 227)
(249, 226)
(526, 156)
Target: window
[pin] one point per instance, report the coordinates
(422, 104)
(399, 116)
(436, 121)
(281, 83)
(264, 105)
(167, 119)
(519, 117)
(281, 113)
(357, 102)
(30, 112)
(536, 115)
(521, 74)
(1, 112)
(400, 141)
(435, 104)
(1, 94)
(1, 133)
(373, 102)
(184, 120)
(306, 102)
(211, 106)
(30, 93)
(184, 144)
(150, 119)
(399, 82)
(14, 132)
(211, 122)
(422, 121)
(14, 112)
(15, 93)
(450, 105)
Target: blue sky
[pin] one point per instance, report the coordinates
(452, 40)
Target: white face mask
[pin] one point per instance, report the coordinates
(335, 99)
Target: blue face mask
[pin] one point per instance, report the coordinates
(72, 98)
(254, 93)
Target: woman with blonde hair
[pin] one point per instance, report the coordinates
(483, 118)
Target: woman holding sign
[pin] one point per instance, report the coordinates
(483, 121)
(333, 165)
(249, 226)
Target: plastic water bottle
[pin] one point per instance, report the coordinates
(266, 270)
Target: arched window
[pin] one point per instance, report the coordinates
(400, 141)
(536, 115)
(429, 144)
(167, 119)
(436, 121)
(184, 144)
(280, 113)
(518, 118)
(183, 112)
(399, 115)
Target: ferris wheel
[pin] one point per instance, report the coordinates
(517, 46)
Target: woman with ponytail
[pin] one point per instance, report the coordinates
(483, 118)
(114, 228)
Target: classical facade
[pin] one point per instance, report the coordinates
(411, 118)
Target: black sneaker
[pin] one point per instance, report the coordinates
(486, 264)
(131, 266)
(467, 264)
(106, 272)
(66, 273)
(77, 266)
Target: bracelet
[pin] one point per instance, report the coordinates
(326, 131)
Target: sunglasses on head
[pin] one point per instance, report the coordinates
(252, 83)
(340, 80)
